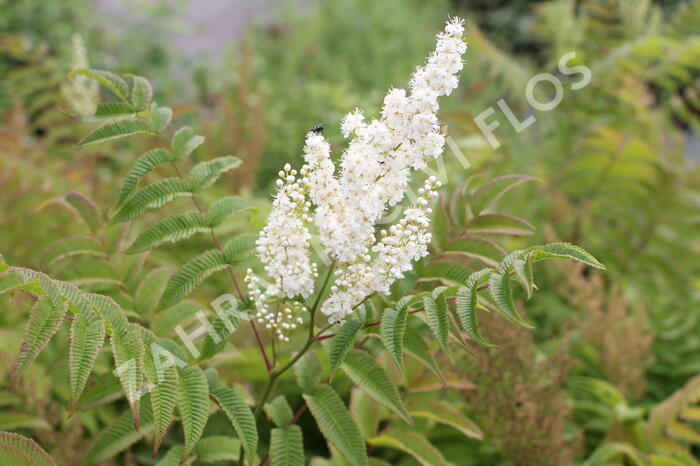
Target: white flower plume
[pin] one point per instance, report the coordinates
(374, 174)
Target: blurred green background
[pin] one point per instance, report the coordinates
(617, 160)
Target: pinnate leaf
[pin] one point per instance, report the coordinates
(279, 411)
(204, 174)
(240, 416)
(493, 189)
(15, 448)
(116, 130)
(87, 334)
(373, 379)
(412, 443)
(151, 197)
(170, 230)
(336, 424)
(108, 79)
(184, 142)
(343, 343)
(286, 446)
(444, 414)
(143, 165)
(392, 330)
(436, 315)
(193, 405)
(191, 275)
(500, 289)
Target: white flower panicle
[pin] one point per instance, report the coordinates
(374, 174)
(283, 244)
(395, 251)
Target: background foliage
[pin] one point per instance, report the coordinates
(608, 374)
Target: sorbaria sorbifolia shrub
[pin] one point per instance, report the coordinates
(353, 288)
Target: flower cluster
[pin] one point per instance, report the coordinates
(404, 243)
(282, 321)
(283, 244)
(374, 174)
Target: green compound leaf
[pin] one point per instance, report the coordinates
(87, 335)
(217, 448)
(279, 411)
(72, 247)
(416, 348)
(184, 142)
(18, 450)
(143, 165)
(191, 275)
(204, 174)
(523, 270)
(118, 436)
(308, 371)
(563, 251)
(286, 446)
(128, 351)
(373, 379)
(113, 110)
(160, 118)
(151, 197)
(163, 380)
(141, 93)
(170, 230)
(116, 130)
(412, 443)
(240, 416)
(336, 424)
(108, 79)
(223, 207)
(240, 247)
(392, 330)
(445, 414)
(343, 343)
(44, 321)
(466, 306)
(499, 287)
(487, 193)
(436, 314)
(193, 405)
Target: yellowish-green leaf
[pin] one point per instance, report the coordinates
(412, 443)
(444, 414)
(15, 447)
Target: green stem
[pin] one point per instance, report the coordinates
(277, 373)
